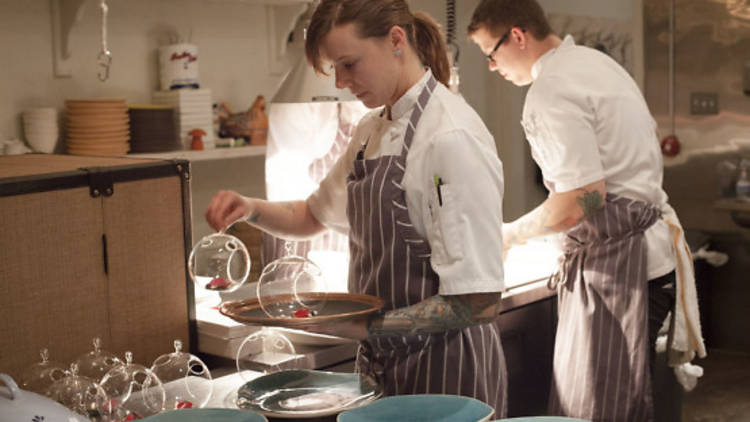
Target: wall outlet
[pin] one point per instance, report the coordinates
(704, 103)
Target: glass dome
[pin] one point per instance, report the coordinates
(265, 351)
(96, 363)
(135, 391)
(41, 375)
(219, 262)
(186, 379)
(81, 395)
(291, 287)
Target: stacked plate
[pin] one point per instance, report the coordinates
(97, 127)
(152, 128)
(193, 112)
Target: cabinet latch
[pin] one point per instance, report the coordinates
(100, 182)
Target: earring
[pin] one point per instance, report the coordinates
(398, 52)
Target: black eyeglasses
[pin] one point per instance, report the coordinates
(499, 43)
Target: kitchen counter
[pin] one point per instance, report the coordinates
(738, 209)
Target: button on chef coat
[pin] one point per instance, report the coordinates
(451, 142)
(586, 120)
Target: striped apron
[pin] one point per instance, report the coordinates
(389, 259)
(601, 368)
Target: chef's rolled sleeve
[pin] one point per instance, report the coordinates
(464, 219)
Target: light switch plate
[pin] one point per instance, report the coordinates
(704, 103)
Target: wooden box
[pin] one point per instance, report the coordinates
(93, 247)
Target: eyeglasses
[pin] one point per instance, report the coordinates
(499, 43)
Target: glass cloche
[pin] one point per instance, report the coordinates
(219, 262)
(81, 395)
(96, 363)
(186, 379)
(41, 375)
(265, 351)
(291, 287)
(135, 391)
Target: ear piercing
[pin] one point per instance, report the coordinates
(398, 52)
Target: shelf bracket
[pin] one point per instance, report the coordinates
(65, 14)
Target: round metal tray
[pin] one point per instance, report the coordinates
(338, 307)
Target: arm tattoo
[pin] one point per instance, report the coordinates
(254, 217)
(590, 203)
(437, 314)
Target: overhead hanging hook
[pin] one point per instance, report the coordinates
(105, 57)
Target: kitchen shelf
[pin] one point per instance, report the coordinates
(208, 154)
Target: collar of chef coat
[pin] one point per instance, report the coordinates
(407, 101)
(536, 69)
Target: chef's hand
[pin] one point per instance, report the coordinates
(226, 207)
(354, 329)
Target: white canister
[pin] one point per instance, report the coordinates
(178, 66)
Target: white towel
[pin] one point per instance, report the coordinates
(687, 340)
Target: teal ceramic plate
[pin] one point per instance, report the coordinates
(202, 415)
(306, 393)
(421, 408)
(541, 419)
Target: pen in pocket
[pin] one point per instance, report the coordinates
(438, 182)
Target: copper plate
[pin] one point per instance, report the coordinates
(338, 307)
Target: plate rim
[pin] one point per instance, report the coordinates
(318, 413)
(263, 418)
(401, 397)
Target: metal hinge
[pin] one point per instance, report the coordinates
(100, 182)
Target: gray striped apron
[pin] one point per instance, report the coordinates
(600, 369)
(389, 259)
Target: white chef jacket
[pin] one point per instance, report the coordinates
(586, 120)
(451, 142)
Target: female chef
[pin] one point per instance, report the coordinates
(419, 192)
(591, 133)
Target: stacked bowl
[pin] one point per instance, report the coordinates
(97, 127)
(152, 128)
(40, 128)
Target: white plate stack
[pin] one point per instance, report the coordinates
(193, 111)
(219, 335)
(40, 128)
(97, 127)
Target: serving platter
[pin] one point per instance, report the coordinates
(296, 394)
(338, 307)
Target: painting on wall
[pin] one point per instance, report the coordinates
(611, 36)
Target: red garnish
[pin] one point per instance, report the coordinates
(217, 283)
(132, 416)
(302, 313)
(184, 405)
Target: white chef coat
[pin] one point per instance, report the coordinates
(451, 142)
(586, 120)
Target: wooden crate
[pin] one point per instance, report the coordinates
(93, 247)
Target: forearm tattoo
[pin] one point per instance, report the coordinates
(254, 217)
(541, 221)
(436, 314)
(590, 203)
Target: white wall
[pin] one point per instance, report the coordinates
(234, 63)
(230, 34)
